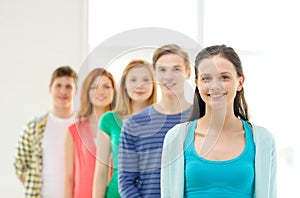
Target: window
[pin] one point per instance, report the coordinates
(109, 18)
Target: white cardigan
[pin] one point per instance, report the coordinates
(172, 168)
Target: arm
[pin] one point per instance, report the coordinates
(102, 165)
(165, 170)
(111, 167)
(69, 166)
(273, 171)
(128, 165)
(172, 163)
(24, 152)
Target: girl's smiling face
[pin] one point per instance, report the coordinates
(139, 84)
(101, 92)
(218, 82)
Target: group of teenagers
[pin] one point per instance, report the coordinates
(125, 143)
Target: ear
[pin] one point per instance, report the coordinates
(188, 74)
(241, 83)
(196, 82)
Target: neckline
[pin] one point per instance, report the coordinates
(240, 156)
(59, 119)
(163, 114)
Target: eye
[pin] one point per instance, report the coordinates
(146, 79)
(206, 78)
(93, 87)
(132, 80)
(107, 86)
(177, 69)
(58, 85)
(161, 69)
(225, 77)
(69, 87)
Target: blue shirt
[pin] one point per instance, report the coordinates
(213, 179)
(140, 151)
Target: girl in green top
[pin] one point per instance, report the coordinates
(136, 91)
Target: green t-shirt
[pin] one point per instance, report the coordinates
(111, 124)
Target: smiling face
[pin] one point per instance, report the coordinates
(62, 90)
(218, 82)
(139, 84)
(101, 92)
(171, 74)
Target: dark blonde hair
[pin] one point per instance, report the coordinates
(171, 49)
(123, 103)
(86, 106)
(64, 71)
(240, 104)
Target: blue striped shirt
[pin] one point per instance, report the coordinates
(140, 151)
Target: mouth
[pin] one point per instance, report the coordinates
(63, 98)
(139, 92)
(169, 85)
(100, 98)
(218, 95)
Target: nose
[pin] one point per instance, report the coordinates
(215, 85)
(99, 90)
(141, 83)
(168, 75)
(64, 90)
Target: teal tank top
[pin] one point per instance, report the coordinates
(232, 178)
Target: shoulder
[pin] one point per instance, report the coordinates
(41, 118)
(81, 123)
(36, 122)
(108, 115)
(176, 132)
(261, 134)
(142, 116)
(145, 112)
(188, 111)
(109, 118)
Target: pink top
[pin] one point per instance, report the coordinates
(84, 158)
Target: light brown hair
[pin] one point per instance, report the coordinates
(86, 106)
(171, 49)
(123, 103)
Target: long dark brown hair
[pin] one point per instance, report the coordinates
(240, 105)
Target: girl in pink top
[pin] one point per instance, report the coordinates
(97, 97)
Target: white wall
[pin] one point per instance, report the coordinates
(169, 15)
(35, 38)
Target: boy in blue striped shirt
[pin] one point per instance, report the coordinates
(142, 134)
